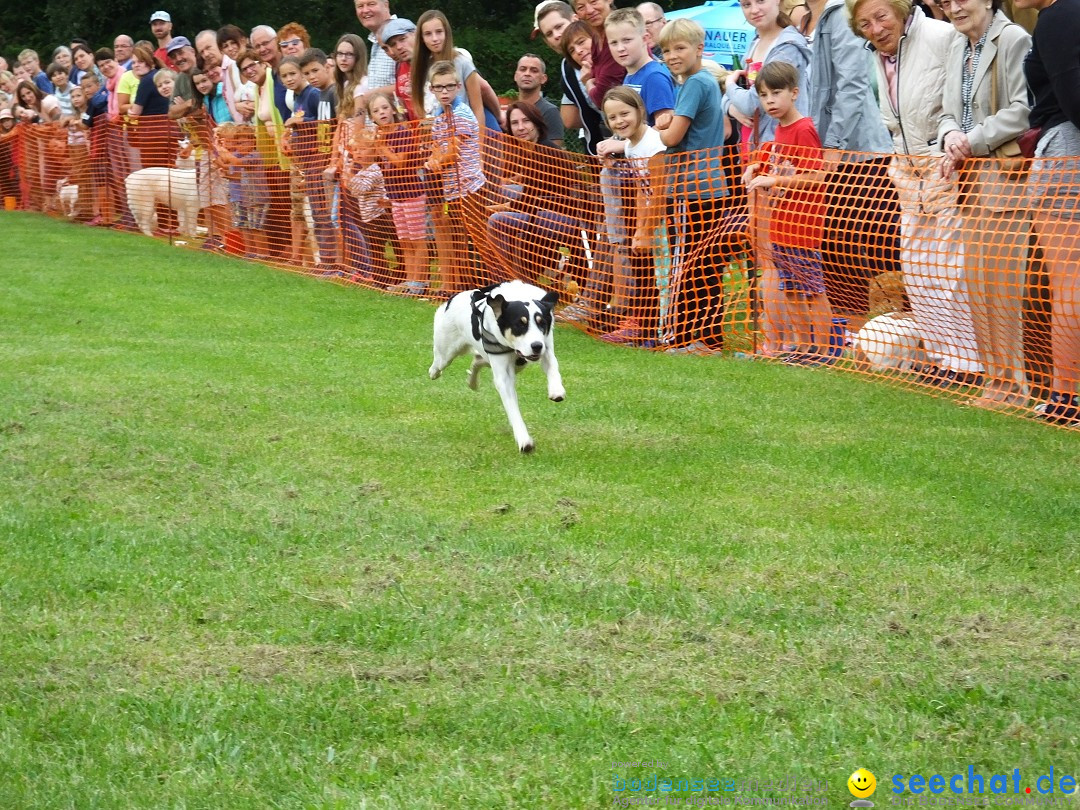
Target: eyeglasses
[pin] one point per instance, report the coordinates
(344, 54)
(444, 88)
(657, 20)
(250, 66)
(291, 43)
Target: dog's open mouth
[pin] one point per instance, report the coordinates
(529, 358)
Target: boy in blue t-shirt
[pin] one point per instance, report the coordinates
(695, 140)
(320, 110)
(625, 32)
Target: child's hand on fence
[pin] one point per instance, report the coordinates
(610, 147)
(751, 172)
(765, 181)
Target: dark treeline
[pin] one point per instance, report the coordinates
(495, 31)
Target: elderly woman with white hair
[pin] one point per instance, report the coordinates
(910, 54)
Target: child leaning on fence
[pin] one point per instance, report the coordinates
(695, 139)
(249, 195)
(397, 148)
(455, 158)
(363, 179)
(790, 170)
(626, 115)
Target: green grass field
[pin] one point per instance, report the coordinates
(251, 557)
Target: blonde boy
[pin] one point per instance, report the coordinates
(625, 32)
(695, 141)
(165, 81)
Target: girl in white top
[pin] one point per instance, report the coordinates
(625, 115)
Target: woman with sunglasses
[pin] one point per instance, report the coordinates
(293, 39)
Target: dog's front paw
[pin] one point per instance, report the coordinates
(434, 372)
(527, 446)
(557, 394)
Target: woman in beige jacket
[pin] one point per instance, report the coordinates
(985, 105)
(910, 51)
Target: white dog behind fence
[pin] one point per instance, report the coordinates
(889, 341)
(69, 196)
(176, 188)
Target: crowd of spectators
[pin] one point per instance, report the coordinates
(847, 144)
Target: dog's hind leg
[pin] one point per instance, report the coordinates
(443, 358)
(504, 376)
(479, 362)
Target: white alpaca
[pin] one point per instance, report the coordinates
(177, 188)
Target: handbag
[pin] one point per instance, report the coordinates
(1029, 140)
(1011, 157)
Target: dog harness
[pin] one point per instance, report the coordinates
(488, 341)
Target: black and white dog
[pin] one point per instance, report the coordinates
(505, 326)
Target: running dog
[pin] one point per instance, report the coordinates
(176, 188)
(505, 326)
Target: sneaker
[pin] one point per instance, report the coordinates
(628, 331)
(1060, 409)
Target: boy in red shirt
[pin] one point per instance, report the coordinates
(790, 170)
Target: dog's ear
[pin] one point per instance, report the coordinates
(549, 300)
(496, 302)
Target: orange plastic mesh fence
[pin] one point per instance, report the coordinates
(965, 283)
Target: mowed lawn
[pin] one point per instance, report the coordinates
(251, 557)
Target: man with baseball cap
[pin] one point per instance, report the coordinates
(182, 54)
(398, 39)
(161, 26)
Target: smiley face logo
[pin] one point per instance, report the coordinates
(862, 784)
